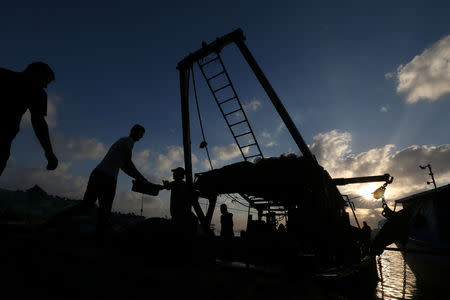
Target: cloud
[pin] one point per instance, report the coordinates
(427, 75)
(266, 134)
(384, 109)
(222, 154)
(140, 159)
(51, 112)
(389, 75)
(173, 158)
(253, 105)
(225, 153)
(204, 164)
(79, 148)
(330, 146)
(333, 151)
(280, 127)
(148, 168)
(59, 182)
(272, 144)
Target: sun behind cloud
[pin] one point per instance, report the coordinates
(366, 190)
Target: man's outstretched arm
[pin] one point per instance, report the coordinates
(130, 169)
(41, 130)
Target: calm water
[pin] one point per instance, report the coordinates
(398, 281)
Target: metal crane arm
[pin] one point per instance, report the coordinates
(343, 181)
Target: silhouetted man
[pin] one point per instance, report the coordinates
(179, 203)
(366, 232)
(19, 92)
(103, 180)
(226, 222)
(180, 206)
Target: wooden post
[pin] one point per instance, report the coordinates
(184, 90)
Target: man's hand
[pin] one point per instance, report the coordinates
(52, 161)
(166, 185)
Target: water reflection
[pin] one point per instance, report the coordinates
(397, 280)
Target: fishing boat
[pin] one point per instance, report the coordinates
(427, 248)
(319, 239)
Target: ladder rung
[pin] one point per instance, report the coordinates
(222, 88)
(209, 61)
(253, 156)
(237, 123)
(249, 145)
(229, 99)
(239, 109)
(236, 136)
(218, 74)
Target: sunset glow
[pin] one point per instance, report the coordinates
(366, 191)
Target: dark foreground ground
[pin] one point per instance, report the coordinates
(65, 265)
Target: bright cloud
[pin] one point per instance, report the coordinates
(140, 159)
(280, 127)
(370, 215)
(253, 105)
(206, 166)
(427, 76)
(272, 144)
(225, 153)
(174, 157)
(78, 149)
(331, 145)
(266, 134)
(384, 109)
(333, 152)
(59, 182)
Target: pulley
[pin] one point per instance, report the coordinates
(379, 192)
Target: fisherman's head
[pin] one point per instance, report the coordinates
(178, 173)
(40, 74)
(223, 208)
(137, 132)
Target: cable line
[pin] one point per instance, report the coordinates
(203, 144)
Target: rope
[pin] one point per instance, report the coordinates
(234, 199)
(200, 119)
(229, 208)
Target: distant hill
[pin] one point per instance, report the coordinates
(34, 205)
(32, 202)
